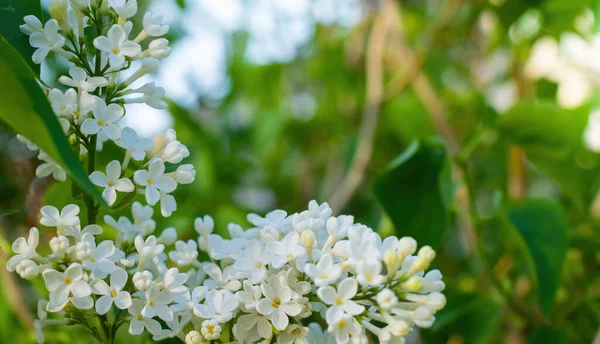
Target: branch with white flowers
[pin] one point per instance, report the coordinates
(262, 284)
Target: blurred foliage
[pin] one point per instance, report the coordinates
(519, 267)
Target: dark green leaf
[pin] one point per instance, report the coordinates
(11, 17)
(26, 109)
(548, 334)
(415, 191)
(543, 227)
(552, 138)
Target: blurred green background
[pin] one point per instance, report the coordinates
(428, 118)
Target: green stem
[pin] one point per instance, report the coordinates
(89, 201)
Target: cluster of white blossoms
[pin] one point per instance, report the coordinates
(304, 278)
(91, 99)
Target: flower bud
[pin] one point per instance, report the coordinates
(194, 337)
(398, 327)
(391, 262)
(167, 237)
(82, 250)
(58, 11)
(204, 226)
(142, 280)
(269, 234)
(412, 285)
(308, 239)
(406, 247)
(175, 152)
(423, 317)
(159, 48)
(184, 174)
(28, 269)
(59, 246)
(424, 258)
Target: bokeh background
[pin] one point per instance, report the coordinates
(284, 101)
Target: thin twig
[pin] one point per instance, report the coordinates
(374, 96)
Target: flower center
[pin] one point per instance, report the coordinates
(63, 108)
(297, 331)
(92, 260)
(113, 293)
(100, 123)
(290, 256)
(369, 277)
(140, 317)
(259, 265)
(338, 302)
(151, 303)
(324, 276)
(148, 181)
(276, 303)
(68, 280)
(110, 184)
(115, 51)
(341, 324)
(211, 329)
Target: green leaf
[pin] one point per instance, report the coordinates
(11, 17)
(25, 107)
(548, 334)
(544, 230)
(415, 191)
(552, 138)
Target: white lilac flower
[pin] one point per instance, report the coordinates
(63, 104)
(185, 253)
(432, 281)
(117, 46)
(153, 99)
(100, 259)
(253, 263)
(59, 246)
(154, 180)
(340, 302)
(46, 40)
(157, 304)
(153, 26)
(111, 182)
(277, 302)
(142, 216)
(112, 293)
(294, 334)
(369, 273)
(135, 146)
(80, 80)
(218, 305)
(148, 249)
(66, 286)
(139, 322)
(285, 250)
(124, 8)
(167, 237)
(344, 328)
(220, 278)
(65, 221)
(25, 249)
(255, 322)
(325, 272)
(250, 296)
(49, 167)
(204, 226)
(386, 299)
(194, 337)
(32, 24)
(275, 219)
(104, 120)
(158, 48)
(30, 145)
(167, 204)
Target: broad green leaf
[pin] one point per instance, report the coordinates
(548, 334)
(415, 191)
(552, 138)
(11, 17)
(26, 109)
(544, 230)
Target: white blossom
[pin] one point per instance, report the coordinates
(104, 120)
(117, 46)
(111, 182)
(112, 293)
(154, 180)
